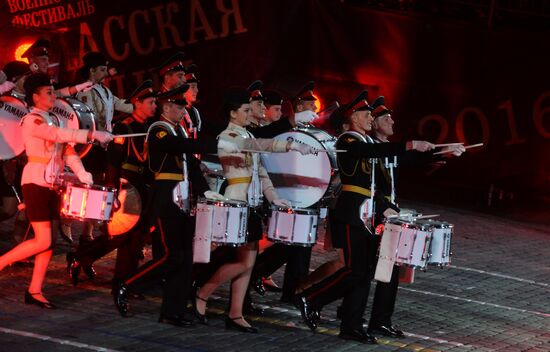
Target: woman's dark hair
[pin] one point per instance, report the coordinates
(227, 108)
(33, 83)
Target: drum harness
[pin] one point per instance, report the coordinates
(369, 218)
(181, 193)
(51, 171)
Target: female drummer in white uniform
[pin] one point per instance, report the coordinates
(238, 168)
(47, 150)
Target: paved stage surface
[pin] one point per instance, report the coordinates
(494, 297)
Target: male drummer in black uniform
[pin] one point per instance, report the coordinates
(126, 158)
(385, 204)
(351, 230)
(178, 181)
(193, 120)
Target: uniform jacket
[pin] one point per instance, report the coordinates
(103, 103)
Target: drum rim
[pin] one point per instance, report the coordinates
(231, 203)
(295, 210)
(94, 187)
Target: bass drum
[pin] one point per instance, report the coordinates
(127, 215)
(11, 138)
(72, 113)
(304, 180)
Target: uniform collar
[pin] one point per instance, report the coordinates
(236, 128)
(38, 111)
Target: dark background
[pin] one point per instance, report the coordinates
(472, 71)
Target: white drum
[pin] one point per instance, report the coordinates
(414, 245)
(389, 243)
(224, 222)
(304, 180)
(83, 202)
(440, 246)
(72, 113)
(293, 226)
(11, 139)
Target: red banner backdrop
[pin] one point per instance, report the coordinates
(446, 81)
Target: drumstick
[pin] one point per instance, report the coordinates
(427, 216)
(130, 135)
(465, 147)
(446, 144)
(332, 151)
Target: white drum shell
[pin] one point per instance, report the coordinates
(225, 223)
(84, 202)
(11, 137)
(414, 244)
(293, 226)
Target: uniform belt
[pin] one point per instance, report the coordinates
(133, 168)
(388, 198)
(38, 159)
(237, 180)
(169, 176)
(356, 189)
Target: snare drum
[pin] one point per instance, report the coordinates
(440, 246)
(293, 226)
(224, 222)
(414, 245)
(83, 202)
(72, 113)
(304, 180)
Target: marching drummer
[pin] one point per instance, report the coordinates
(47, 150)
(103, 103)
(247, 181)
(194, 123)
(178, 182)
(126, 158)
(386, 205)
(350, 226)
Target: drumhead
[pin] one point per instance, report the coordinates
(304, 180)
(11, 138)
(72, 113)
(127, 216)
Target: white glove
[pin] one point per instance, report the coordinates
(455, 150)
(390, 213)
(214, 195)
(84, 87)
(422, 146)
(6, 87)
(228, 147)
(303, 148)
(102, 137)
(281, 202)
(305, 117)
(85, 177)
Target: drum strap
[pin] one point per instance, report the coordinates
(356, 189)
(237, 180)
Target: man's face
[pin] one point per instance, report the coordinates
(306, 105)
(98, 74)
(383, 125)
(258, 109)
(191, 93)
(273, 113)
(42, 61)
(362, 120)
(173, 112)
(174, 79)
(146, 107)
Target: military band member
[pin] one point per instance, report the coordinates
(39, 61)
(247, 180)
(47, 150)
(126, 158)
(386, 293)
(172, 73)
(193, 118)
(350, 228)
(178, 182)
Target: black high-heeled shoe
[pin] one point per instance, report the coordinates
(29, 299)
(201, 318)
(230, 324)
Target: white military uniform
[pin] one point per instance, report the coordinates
(238, 167)
(46, 148)
(103, 103)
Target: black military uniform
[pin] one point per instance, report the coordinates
(349, 232)
(125, 158)
(175, 225)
